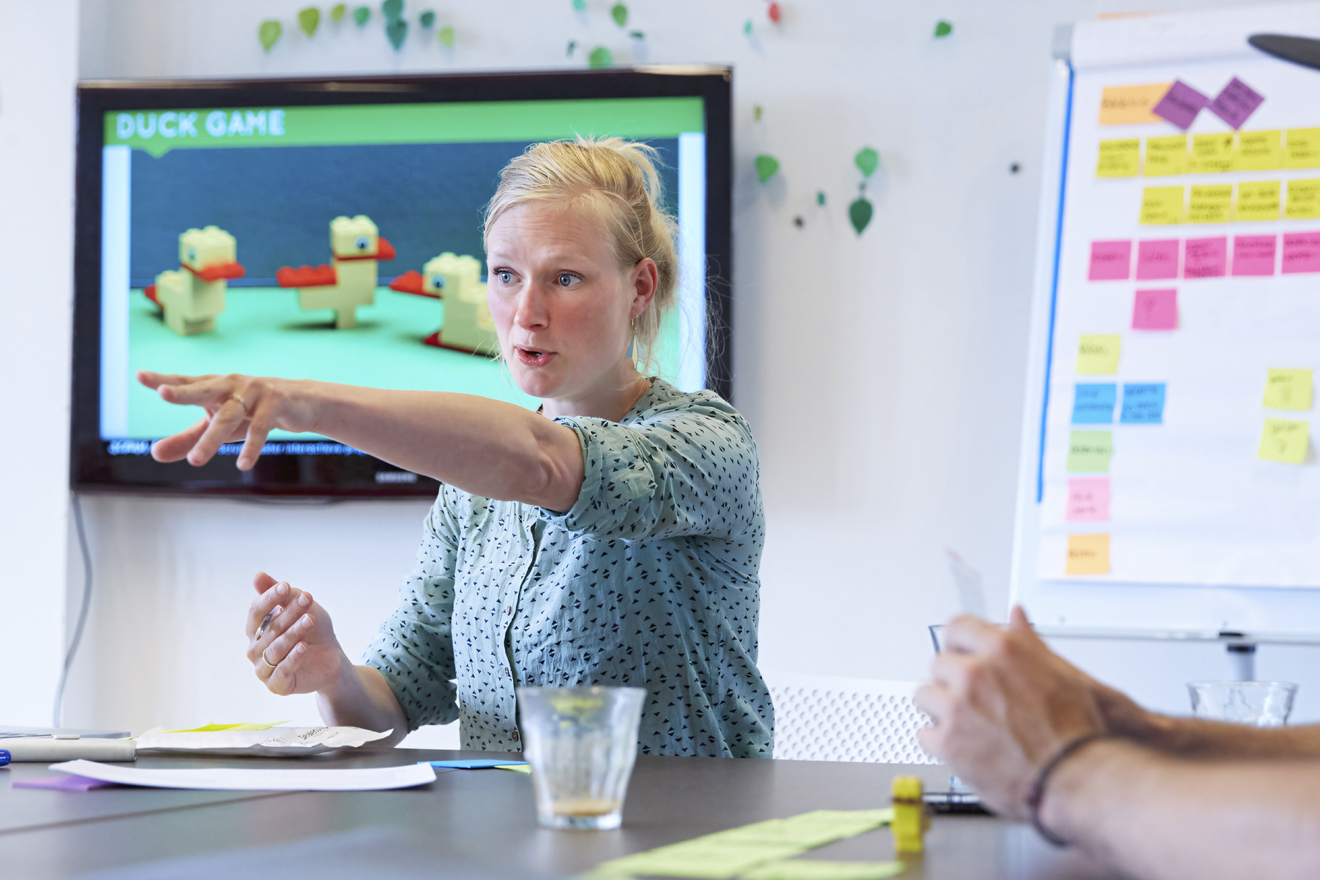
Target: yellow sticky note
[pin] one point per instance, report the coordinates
(1122, 105)
(1288, 389)
(1257, 200)
(1303, 201)
(1161, 205)
(1260, 150)
(1088, 554)
(1098, 354)
(1213, 153)
(1210, 204)
(1284, 440)
(1302, 148)
(1119, 158)
(1166, 155)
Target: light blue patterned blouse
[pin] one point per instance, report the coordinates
(651, 580)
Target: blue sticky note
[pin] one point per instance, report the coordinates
(1093, 403)
(1143, 404)
(473, 763)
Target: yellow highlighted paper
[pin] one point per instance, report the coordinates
(1088, 554)
(1119, 158)
(1161, 205)
(1302, 148)
(1288, 389)
(1303, 200)
(1213, 153)
(213, 728)
(1283, 440)
(1210, 204)
(1166, 155)
(1260, 150)
(1122, 105)
(1097, 355)
(1257, 200)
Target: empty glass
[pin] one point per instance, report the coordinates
(581, 744)
(1262, 703)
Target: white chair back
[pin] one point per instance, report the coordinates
(823, 718)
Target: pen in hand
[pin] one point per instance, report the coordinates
(265, 622)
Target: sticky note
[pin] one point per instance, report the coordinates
(1210, 204)
(1098, 355)
(1157, 259)
(1284, 440)
(1301, 148)
(1088, 554)
(1301, 252)
(1260, 150)
(1254, 254)
(1155, 310)
(1288, 389)
(1161, 205)
(1124, 105)
(1143, 404)
(1257, 200)
(1205, 257)
(1212, 153)
(1119, 158)
(1180, 104)
(1166, 155)
(819, 869)
(1089, 452)
(1303, 201)
(1093, 403)
(1088, 500)
(1236, 102)
(1110, 261)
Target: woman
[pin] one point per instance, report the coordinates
(613, 538)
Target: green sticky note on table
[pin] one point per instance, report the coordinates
(702, 861)
(1089, 452)
(1284, 440)
(1098, 354)
(804, 869)
(1288, 389)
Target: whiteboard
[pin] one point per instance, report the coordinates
(1201, 535)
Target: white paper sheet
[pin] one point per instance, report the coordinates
(275, 742)
(246, 779)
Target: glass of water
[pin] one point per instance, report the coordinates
(1260, 703)
(581, 744)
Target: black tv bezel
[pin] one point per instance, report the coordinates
(93, 469)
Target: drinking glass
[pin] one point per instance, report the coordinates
(1262, 703)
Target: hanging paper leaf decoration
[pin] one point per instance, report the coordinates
(337, 12)
(756, 112)
(572, 44)
(447, 37)
(637, 35)
(766, 167)
(774, 13)
(392, 9)
(600, 57)
(396, 30)
(361, 14)
(820, 197)
(867, 160)
(747, 28)
(620, 14)
(309, 19)
(426, 19)
(580, 5)
(943, 28)
(269, 33)
(859, 212)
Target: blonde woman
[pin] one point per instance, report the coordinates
(613, 538)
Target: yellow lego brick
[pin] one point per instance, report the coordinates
(354, 237)
(201, 248)
(910, 819)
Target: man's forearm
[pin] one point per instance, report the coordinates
(363, 699)
(1198, 738)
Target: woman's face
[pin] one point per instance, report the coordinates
(561, 305)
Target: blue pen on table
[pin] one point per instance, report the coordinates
(4, 757)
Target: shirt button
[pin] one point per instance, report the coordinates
(514, 735)
(508, 674)
(508, 609)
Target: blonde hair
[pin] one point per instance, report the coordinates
(616, 181)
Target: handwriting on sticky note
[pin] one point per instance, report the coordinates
(1155, 310)
(1212, 153)
(1125, 105)
(1180, 104)
(1088, 554)
(1157, 259)
(1110, 261)
(1088, 499)
(1098, 354)
(1166, 155)
(1253, 255)
(1301, 252)
(1288, 389)
(1210, 204)
(1089, 452)
(1143, 404)
(1260, 150)
(1284, 440)
(1301, 148)
(1205, 257)
(1236, 102)
(1161, 205)
(1257, 200)
(1093, 403)
(1303, 201)
(1121, 158)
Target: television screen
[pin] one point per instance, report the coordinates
(331, 229)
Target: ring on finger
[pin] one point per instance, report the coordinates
(241, 401)
(267, 662)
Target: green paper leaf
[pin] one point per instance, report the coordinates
(747, 28)
(868, 160)
(396, 30)
(756, 112)
(309, 19)
(820, 197)
(337, 12)
(943, 28)
(392, 9)
(361, 14)
(580, 5)
(601, 57)
(619, 13)
(447, 37)
(269, 33)
(572, 44)
(637, 35)
(426, 19)
(766, 167)
(859, 212)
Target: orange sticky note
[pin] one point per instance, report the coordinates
(1123, 105)
(1088, 554)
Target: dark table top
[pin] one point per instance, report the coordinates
(482, 818)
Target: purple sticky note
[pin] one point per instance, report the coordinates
(1180, 104)
(1110, 261)
(1205, 257)
(1254, 254)
(1157, 259)
(1301, 252)
(1155, 310)
(1236, 102)
(63, 783)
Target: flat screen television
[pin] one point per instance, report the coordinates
(205, 220)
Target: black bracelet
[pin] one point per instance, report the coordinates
(1037, 793)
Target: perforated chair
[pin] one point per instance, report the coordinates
(822, 718)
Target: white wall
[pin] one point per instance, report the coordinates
(881, 374)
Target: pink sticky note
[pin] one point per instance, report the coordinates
(63, 783)
(1205, 257)
(1155, 310)
(1157, 259)
(1254, 254)
(1236, 102)
(1180, 104)
(1301, 252)
(1088, 500)
(1110, 261)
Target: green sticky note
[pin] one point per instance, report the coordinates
(766, 167)
(803, 869)
(619, 13)
(867, 160)
(943, 28)
(446, 37)
(361, 14)
(269, 33)
(1288, 389)
(1089, 452)
(516, 768)
(1098, 355)
(337, 12)
(859, 213)
(427, 18)
(309, 19)
(600, 57)
(702, 861)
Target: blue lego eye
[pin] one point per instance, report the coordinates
(362, 243)
(192, 253)
(438, 282)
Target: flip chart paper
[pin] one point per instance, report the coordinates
(1301, 252)
(1161, 205)
(1157, 259)
(1302, 148)
(1110, 261)
(1236, 102)
(1257, 200)
(1093, 403)
(1121, 158)
(257, 739)
(1180, 104)
(1124, 105)
(1260, 150)
(1205, 257)
(1089, 452)
(1143, 404)
(815, 869)
(1210, 204)
(1098, 354)
(1213, 153)
(1303, 200)
(1288, 389)
(1088, 499)
(1166, 155)
(247, 779)
(1254, 254)
(1155, 310)
(1283, 440)
(1088, 554)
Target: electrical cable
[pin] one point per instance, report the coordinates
(82, 614)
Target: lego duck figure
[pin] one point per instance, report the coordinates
(350, 280)
(194, 294)
(457, 282)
